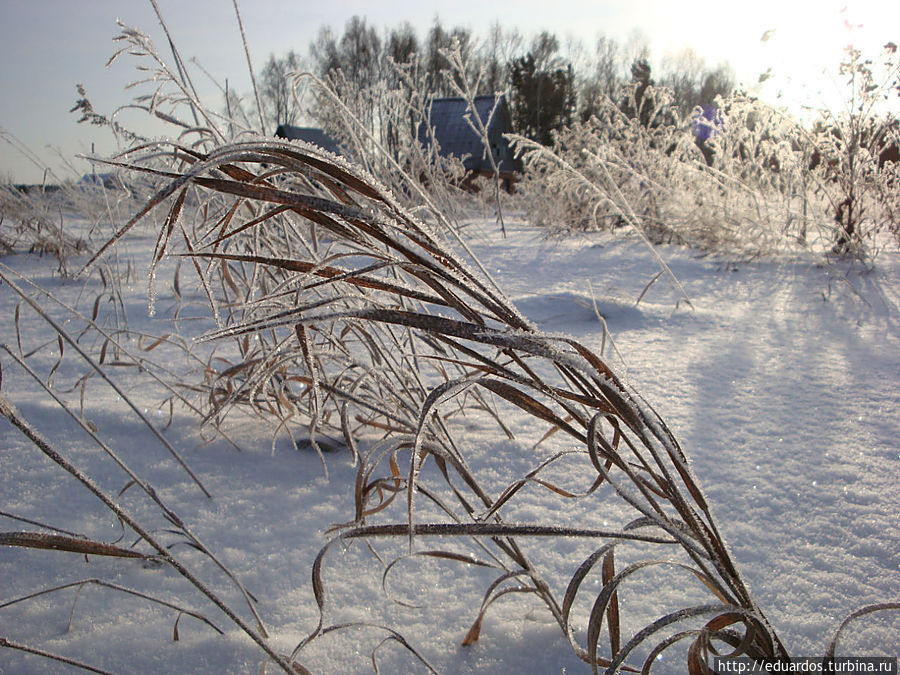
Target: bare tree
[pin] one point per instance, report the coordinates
(360, 53)
(717, 82)
(692, 83)
(500, 47)
(401, 56)
(637, 48)
(683, 74)
(402, 44)
(604, 78)
(353, 66)
(279, 104)
(435, 64)
(357, 55)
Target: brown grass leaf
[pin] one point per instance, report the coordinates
(58, 542)
(612, 611)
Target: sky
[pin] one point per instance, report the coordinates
(49, 46)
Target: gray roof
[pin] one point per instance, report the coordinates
(457, 139)
(310, 135)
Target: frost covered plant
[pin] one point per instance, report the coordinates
(614, 171)
(27, 224)
(614, 151)
(387, 333)
(759, 160)
(36, 218)
(382, 339)
(352, 320)
(757, 185)
(856, 153)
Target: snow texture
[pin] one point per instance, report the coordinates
(781, 385)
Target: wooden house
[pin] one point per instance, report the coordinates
(446, 124)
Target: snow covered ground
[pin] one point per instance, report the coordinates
(781, 383)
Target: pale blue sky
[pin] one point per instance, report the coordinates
(49, 46)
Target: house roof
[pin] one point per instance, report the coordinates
(454, 136)
(310, 135)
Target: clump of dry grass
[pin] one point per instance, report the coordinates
(28, 224)
(760, 186)
(352, 317)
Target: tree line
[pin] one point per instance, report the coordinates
(548, 84)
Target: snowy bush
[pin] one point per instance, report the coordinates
(856, 154)
(761, 184)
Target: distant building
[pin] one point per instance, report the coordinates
(456, 138)
(310, 135)
(108, 181)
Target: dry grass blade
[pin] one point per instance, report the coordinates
(495, 530)
(157, 199)
(441, 555)
(612, 610)
(115, 587)
(56, 542)
(392, 636)
(494, 593)
(37, 523)
(531, 477)
(864, 611)
(10, 644)
(697, 665)
(655, 653)
(355, 277)
(606, 603)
